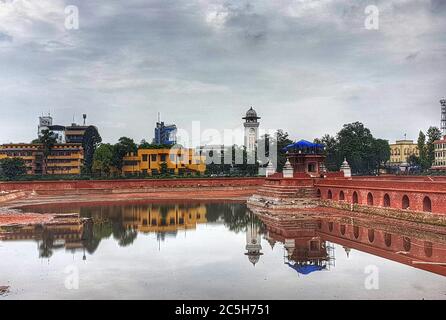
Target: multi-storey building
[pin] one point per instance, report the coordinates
(440, 145)
(165, 134)
(75, 133)
(153, 161)
(440, 154)
(401, 150)
(64, 158)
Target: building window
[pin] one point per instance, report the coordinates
(153, 157)
(144, 157)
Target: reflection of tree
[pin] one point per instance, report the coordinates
(235, 216)
(127, 237)
(93, 233)
(46, 246)
(111, 221)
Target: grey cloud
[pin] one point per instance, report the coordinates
(306, 66)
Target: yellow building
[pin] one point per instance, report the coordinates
(64, 158)
(401, 150)
(178, 160)
(154, 218)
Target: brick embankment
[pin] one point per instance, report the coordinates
(116, 186)
(76, 192)
(407, 215)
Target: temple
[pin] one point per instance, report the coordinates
(306, 157)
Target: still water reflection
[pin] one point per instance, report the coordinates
(218, 251)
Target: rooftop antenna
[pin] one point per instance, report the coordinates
(159, 117)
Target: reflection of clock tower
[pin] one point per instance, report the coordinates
(253, 241)
(251, 130)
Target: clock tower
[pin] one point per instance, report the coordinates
(251, 130)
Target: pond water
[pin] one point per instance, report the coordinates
(217, 251)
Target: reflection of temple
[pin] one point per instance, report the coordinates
(253, 240)
(304, 250)
(155, 218)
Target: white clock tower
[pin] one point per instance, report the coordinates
(251, 130)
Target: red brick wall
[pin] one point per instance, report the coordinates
(130, 184)
(415, 190)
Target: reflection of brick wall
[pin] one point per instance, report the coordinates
(388, 244)
(130, 184)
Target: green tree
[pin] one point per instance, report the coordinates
(421, 143)
(90, 142)
(12, 168)
(48, 141)
(380, 153)
(355, 143)
(163, 167)
(333, 160)
(433, 134)
(413, 161)
(124, 146)
(103, 159)
(282, 140)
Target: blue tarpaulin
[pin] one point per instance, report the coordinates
(306, 269)
(303, 144)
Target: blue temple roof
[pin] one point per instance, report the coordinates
(305, 269)
(303, 144)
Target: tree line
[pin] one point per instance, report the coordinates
(355, 143)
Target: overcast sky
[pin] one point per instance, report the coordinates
(305, 66)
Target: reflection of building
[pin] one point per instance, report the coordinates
(65, 233)
(401, 150)
(154, 218)
(64, 158)
(151, 161)
(253, 241)
(251, 130)
(400, 243)
(304, 250)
